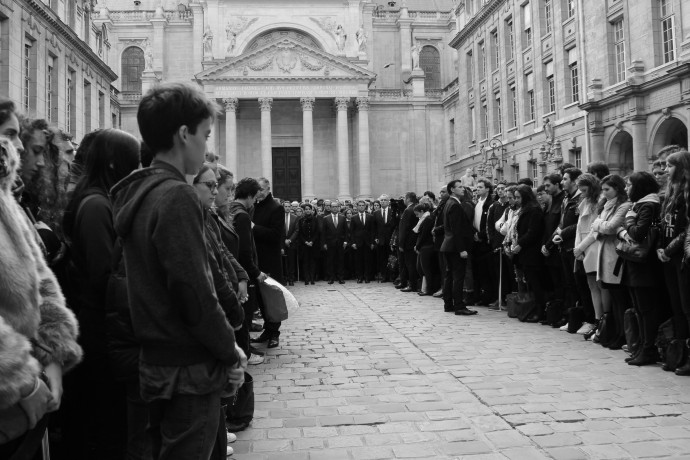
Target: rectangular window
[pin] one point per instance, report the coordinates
(71, 109)
(619, 50)
(550, 88)
(530, 103)
(516, 172)
(484, 122)
(574, 83)
(451, 135)
(87, 107)
(510, 40)
(51, 97)
(547, 16)
(570, 8)
(482, 61)
(577, 157)
(26, 87)
(526, 26)
(470, 69)
(473, 125)
(535, 173)
(494, 50)
(667, 33)
(498, 116)
(101, 110)
(513, 101)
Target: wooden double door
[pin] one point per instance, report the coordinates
(287, 173)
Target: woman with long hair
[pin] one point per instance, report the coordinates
(642, 278)
(88, 226)
(309, 243)
(586, 253)
(674, 222)
(526, 246)
(606, 226)
(424, 247)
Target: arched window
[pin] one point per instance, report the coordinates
(132, 68)
(430, 62)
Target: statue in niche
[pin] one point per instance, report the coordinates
(148, 55)
(415, 50)
(208, 42)
(467, 180)
(548, 131)
(362, 39)
(340, 38)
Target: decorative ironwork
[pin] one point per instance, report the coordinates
(496, 161)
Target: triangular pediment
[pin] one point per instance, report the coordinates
(286, 59)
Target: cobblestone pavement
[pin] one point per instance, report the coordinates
(367, 372)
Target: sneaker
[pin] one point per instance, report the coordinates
(564, 327)
(255, 359)
(231, 437)
(229, 452)
(586, 328)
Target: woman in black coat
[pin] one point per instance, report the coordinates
(308, 235)
(527, 247)
(642, 278)
(424, 247)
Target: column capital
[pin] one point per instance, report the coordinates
(342, 103)
(265, 103)
(307, 103)
(362, 103)
(231, 104)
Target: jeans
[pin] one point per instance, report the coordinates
(570, 294)
(184, 427)
(455, 279)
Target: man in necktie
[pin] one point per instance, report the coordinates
(363, 227)
(290, 243)
(333, 239)
(384, 224)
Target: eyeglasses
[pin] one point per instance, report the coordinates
(659, 173)
(212, 185)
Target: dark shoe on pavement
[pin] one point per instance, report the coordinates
(341, 282)
(465, 312)
(236, 427)
(256, 327)
(264, 337)
(684, 369)
(422, 293)
(449, 309)
(330, 282)
(645, 358)
(273, 342)
(312, 283)
(438, 293)
(254, 351)
(407, 289)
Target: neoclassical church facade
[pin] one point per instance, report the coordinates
(332, 98)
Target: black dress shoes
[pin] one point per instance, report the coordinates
(330, 282)
(264, 337)
(401, 286)
(465, 312)
(359, 281)
(341, 282)
(273, 342)
(422, 293)
(407, 289)
(448, 309)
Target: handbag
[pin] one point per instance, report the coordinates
(276, 300)
(392, 263)
(638, 252)
(576, 318)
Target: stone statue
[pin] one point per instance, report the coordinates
(340, 38)
(232, 38)
(467, 180)
(362, 39)
(548, 131)
(416, 49)
(208, 42)
(148, 55)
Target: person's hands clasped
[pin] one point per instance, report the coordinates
(662, 256)
(262, 277)
(37, 403)
(236, 374)
(53, 372)
(242, 292)
(463, 254)
(545, 251)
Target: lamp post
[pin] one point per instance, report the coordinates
(493, 160)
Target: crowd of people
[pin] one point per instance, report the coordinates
(135, 266)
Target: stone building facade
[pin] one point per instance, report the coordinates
(54, 64)
(548, 81)
(331, 98)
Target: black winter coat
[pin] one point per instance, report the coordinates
(269, 234)
(646, 274)
(530, 230)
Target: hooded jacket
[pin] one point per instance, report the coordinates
(174, 308)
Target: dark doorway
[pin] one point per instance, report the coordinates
(287, 173)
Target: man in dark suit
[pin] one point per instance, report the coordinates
(290, 243)
(363, 229)
(269, 234)
(481, 248)
(438, 233)
(406, 241)
(457, 241)
(333, 243)
(384, 225)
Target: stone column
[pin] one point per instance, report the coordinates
(341, 104)
(231, 160)
(364, 161)
(198, 33)
(266, 141)
(639, 134)
(405, 25)
(308, 146)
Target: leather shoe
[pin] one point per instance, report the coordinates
(264, 337)
(465, 312)
(401, 286)
(407, 289)
(330, 282)
(449, 309)
(236, 427)
(422, 293)
(341, 282)
(273, 342)
(438, 294)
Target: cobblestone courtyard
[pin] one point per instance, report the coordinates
(366, 372)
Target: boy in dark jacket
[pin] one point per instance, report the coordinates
(188, 350)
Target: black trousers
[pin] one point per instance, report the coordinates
(649, 314)
(291, 263)
(584, 292)
(335, 261)
(428, 261)
(533, 275)
(569, 287)
(481, 257)
(384, 251)
(412, 277)
(678, 285)
(309, 260)
(441, 266)
(363, 259)
(455, 280)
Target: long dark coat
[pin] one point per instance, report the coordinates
(269, 233)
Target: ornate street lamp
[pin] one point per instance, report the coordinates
(496, 161)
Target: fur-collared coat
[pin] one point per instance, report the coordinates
(32, 307)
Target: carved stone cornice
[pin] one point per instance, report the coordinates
(342, 103)
(265, 103)
(363, 104)
(231, 104)
(477, 21)
(307, 103)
